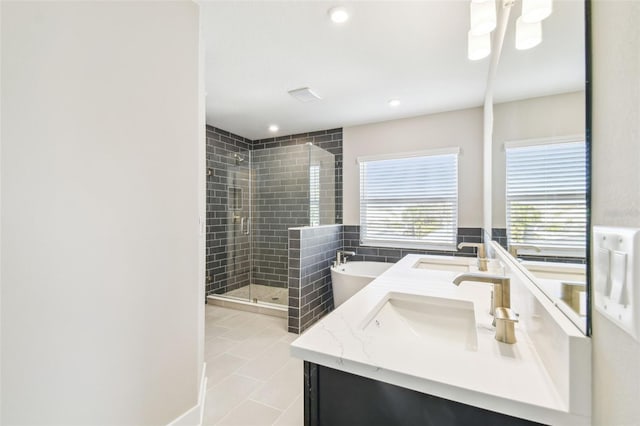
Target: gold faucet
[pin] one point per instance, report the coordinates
(482, 257)
(501, 287)
(504, 318)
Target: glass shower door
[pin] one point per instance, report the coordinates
(238, 219)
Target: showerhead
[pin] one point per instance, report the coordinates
(239, 159)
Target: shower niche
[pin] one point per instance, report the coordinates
(253, 197)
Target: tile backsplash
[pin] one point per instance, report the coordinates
(351, 242)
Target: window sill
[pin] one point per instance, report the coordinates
(408, 245)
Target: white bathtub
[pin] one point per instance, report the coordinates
(351, 277)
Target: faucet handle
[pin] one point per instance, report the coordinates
(504, 320)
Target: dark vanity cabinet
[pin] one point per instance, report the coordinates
(336, 398)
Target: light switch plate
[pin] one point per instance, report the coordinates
(616, 276)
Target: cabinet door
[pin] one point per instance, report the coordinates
(336, 398)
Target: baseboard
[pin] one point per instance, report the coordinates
(195, 415)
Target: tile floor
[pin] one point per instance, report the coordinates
(252, 379)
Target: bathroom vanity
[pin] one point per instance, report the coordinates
(337, 398)
(413, 348)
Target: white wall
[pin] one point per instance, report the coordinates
(100, 206)
(616, 192)
(543, 117)
(450, 129)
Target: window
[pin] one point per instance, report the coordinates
(546, 195)
(410, 201)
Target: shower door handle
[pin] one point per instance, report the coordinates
(244, 225)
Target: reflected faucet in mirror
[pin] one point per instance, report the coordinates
(482, 256)
(514, 248)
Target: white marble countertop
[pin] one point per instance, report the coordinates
(509, 379)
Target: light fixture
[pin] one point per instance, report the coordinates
(528, 35)
(479, 46)
(483, 17)
(339, 15)
(536, 10)
(483, 21)
(274, 128)
(394, 103)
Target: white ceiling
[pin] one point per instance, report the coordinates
(414, 51)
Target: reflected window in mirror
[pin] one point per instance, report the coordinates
(546, 209)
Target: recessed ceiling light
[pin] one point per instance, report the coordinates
(274, 128)
(394, 103)
(339, 15)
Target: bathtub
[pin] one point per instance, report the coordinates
(351, 277)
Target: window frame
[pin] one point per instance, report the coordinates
(372, 242)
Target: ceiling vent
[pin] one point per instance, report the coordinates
(304, 94)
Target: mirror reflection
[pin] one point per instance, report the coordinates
(539, 175)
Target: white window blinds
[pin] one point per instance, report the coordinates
(410, 201)
(546, 197)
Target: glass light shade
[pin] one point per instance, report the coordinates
(528, 35)
(483, 17)
(479, 46)
(339, 15)
(536, 10)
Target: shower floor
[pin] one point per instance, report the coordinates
(264, 293)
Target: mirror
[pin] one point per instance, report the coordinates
(539, 181)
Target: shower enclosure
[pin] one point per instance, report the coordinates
(257, 196)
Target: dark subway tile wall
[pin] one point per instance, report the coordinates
(500, 235)
(281, 188)
(351, 242)
(281, 201)
(311, 251)
(228, 263)
(329, 140)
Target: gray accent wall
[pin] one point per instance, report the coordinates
(329, 140)
(281, 201)
(280, 188)
(311, 251)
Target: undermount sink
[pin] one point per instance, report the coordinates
(452, 265)
(556, 271)
(433, 320)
